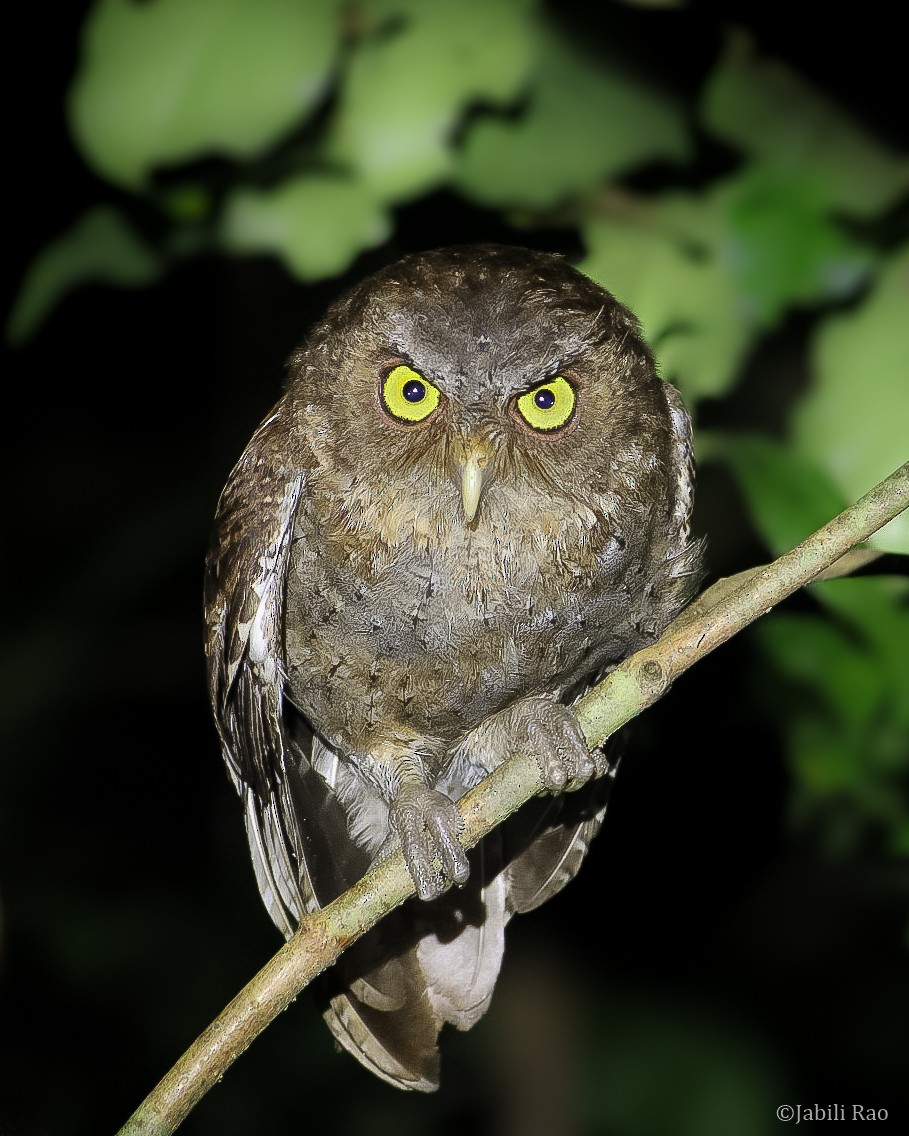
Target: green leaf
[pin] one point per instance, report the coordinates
(821, 656)
(409, 80)
(705, 273)
(317, 224)
(170, 81)
(846, 780)
(900, 844)
(782, 248)
(846, 715)
(683, 296)
(583, 124)
(844, 710)
(854, 422)
(831, 763)
(101, 247)
(775, 116)
(788, 495)
(855, 660)
(876, 610)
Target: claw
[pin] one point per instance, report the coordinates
(553, 734)
(429, 826)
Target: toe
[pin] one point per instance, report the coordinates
(554, 734)
(446, 826)
(429, 825)
(555, 775)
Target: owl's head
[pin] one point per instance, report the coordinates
(478, 381)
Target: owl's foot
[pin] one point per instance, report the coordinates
(429, 826)
(539, 727)
(551, 732)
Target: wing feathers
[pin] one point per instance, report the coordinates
(245, 577)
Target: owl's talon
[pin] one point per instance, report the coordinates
(601, 764)
(429, 826)
(553, 734)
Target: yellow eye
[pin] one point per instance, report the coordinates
(548, 406)
(407, 396)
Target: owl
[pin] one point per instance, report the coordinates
(471, 501)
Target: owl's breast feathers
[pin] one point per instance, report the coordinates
(429, 637)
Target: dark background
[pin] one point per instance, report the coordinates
(705, 954)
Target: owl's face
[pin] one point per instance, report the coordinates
(477, 387)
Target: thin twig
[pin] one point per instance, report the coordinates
(713, 618)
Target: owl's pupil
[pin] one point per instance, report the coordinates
(414, 391)
(545, 399)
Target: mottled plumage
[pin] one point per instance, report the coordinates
(472, 499)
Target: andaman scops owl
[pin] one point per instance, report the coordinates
(472, 499)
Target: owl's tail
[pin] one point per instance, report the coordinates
(437, 963)
(397, 1000)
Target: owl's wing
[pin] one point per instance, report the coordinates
(682, 462)
(547, 840)
(244, 601)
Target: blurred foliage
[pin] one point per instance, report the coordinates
(706, 1072)
(300, 130)
(331, 113)
(164, 82)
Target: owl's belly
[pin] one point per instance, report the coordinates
(415, 653)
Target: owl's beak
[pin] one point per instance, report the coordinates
(474, 470)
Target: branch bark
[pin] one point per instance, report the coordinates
(715, 616)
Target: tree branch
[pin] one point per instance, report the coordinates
(715, 616)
